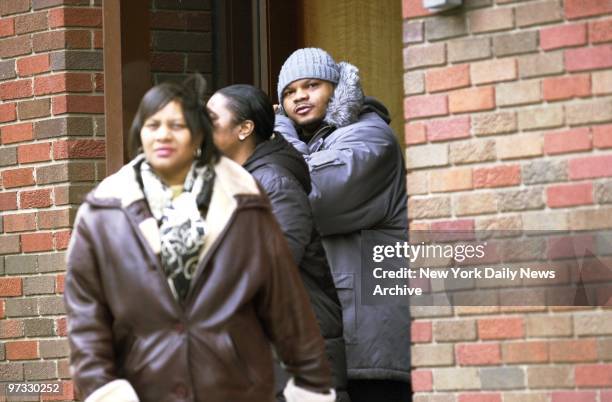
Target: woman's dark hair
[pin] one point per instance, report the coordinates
(190, 94)
(247, 102)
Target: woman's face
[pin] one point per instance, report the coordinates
(166, 141)
(225, 130)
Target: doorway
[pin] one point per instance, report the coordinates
(365, 33)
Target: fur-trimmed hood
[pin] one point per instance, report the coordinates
(347, 101)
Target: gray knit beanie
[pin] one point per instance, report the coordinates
(308, 62)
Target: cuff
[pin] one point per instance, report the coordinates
(294, 393)
(114, 391)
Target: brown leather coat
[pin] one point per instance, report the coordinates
(125, 323)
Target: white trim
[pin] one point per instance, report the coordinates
(114, 391)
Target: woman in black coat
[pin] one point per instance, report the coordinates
(243, 122)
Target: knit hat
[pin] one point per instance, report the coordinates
(308, 62)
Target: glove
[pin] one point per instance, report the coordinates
(294, 393)
(114, 391)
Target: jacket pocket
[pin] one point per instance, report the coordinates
(230, 353)
(322, 160)
(344, 282)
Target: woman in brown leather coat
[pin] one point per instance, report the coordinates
(179, 277)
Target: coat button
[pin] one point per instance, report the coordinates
(179, 327)
(180, 391)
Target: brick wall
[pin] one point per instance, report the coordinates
(181, 39)
(51, 153)
(508, 108)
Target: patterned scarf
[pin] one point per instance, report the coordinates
(180, 221)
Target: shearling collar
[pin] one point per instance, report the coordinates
(122, 188)
(346, 103)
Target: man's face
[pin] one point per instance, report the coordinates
(305, 101)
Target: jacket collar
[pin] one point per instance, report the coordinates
(232, 183)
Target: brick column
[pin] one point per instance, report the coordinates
(508, 108)
(52, 152)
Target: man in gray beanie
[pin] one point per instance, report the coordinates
(358, 183)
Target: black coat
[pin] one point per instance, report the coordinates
(283, 174)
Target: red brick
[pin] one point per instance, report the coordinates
(64, 82)
(69, 39)
(10, 287)
(602, 136)
(62, 238)
(472, 100)
(479, 397)
(1, 309)
(501, 328)
(22, 350)
(35, 199)
(78, 149)
(18, 177)
(574, 396)
(443, 79)
(99, 82)
(19, 222)
(588, 58)
(16, 133)
(68, 393)
(498, 176)
(168, 62)
(8, 200)
(413, 9)
(33, 65)
(7, 27)
(61, 326)
(77, 104)
(420, 331)
(98, 39)
(578, 139)
(59, 286)
(563, 36)
(35, 242)
(590, 167)
(8, 112)
(566, 195)
(575, 86)
(525, 352)
(75, 17)
(491, 19)
(583, 350)
(594, 375)
(448, 129)
(425, 106)
(477, 354)
(414, 133)
(38, 152)
(16, 89)
(11, 328)
(600, 31)
(586, 8)
(422, 380)
(568, 246)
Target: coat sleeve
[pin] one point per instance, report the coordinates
(350, 176)
(291, 208)
(288, 318)
(89, 318)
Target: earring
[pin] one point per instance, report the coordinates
(241, 137)
(198, 153)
